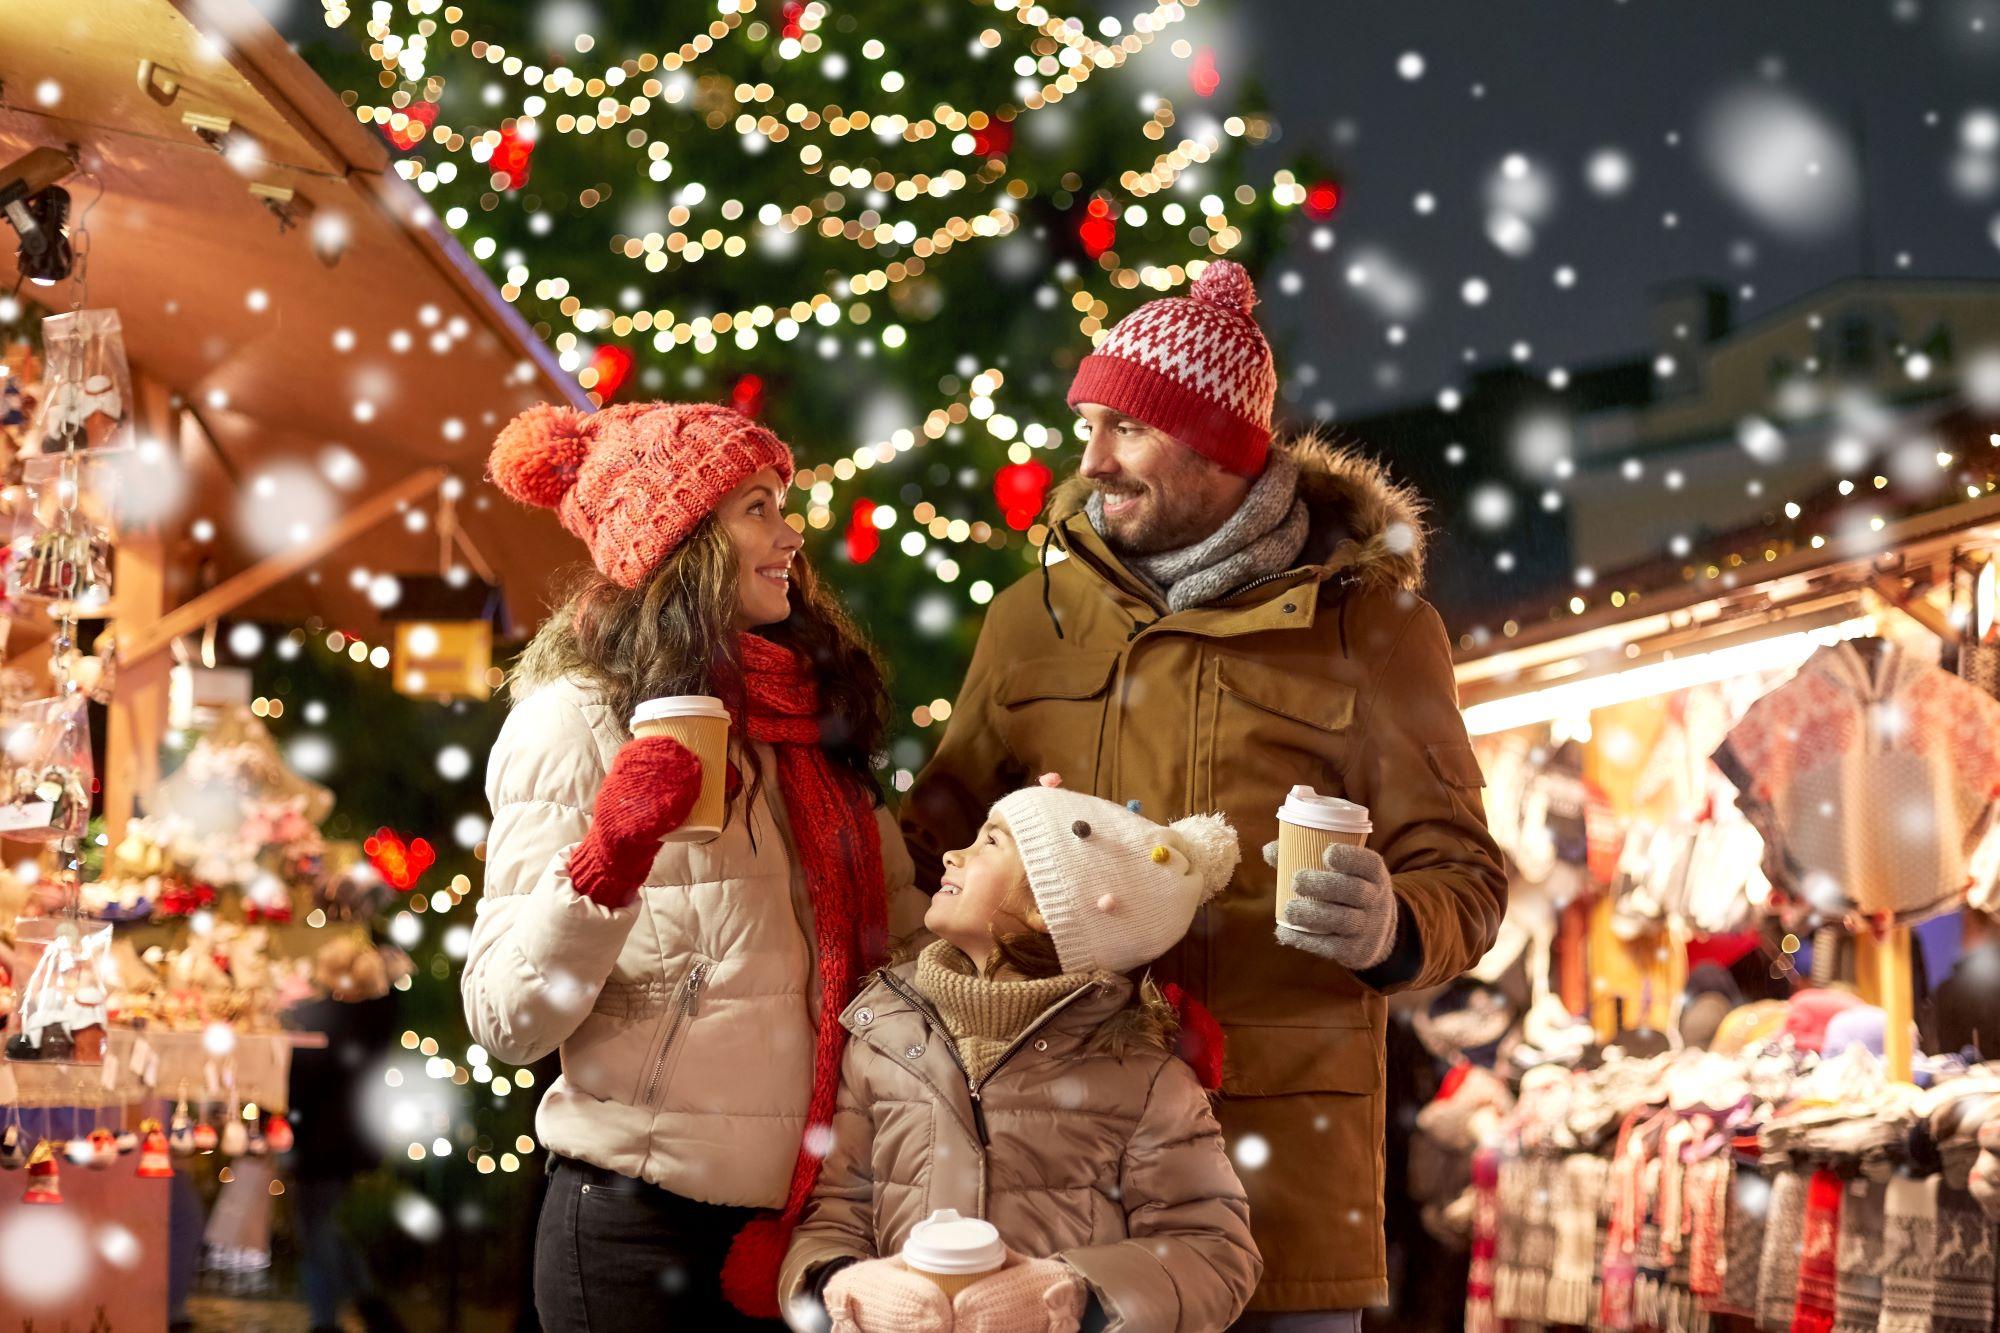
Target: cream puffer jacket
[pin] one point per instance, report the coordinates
(685, 1019)
(1089, 1141)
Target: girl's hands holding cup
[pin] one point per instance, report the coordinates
(647, 794)
(882, 1296)
(1027, 1296)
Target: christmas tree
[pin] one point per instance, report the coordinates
(889, 228)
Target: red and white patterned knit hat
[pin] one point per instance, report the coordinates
(1195, 367)
(633, 480)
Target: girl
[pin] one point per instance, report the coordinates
(1012, 1072)
(693, 989)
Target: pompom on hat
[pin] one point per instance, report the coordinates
(632, 481)
(1116, 889)
(1195, 367)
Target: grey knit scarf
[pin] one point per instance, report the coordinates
(1263, 537)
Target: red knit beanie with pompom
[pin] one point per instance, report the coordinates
(633, 480)
(1195, 367)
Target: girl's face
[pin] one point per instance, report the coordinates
(983, 893)
(754, 517)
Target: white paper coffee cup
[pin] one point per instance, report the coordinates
(700, 722)
(954, 1251)
(1308, 824)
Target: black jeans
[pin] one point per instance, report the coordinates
(614, 1254)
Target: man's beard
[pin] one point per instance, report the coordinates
(1161, 522)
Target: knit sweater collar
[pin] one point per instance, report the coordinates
(1263, 537)
(983, 1015)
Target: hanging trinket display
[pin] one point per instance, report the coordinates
(87, 390)
(45, 785)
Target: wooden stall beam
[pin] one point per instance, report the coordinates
(136, 717)
(1917, 605)
(238, 589)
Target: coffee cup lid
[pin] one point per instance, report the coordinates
(948, 1244)
(1330, 814)
(679, 705)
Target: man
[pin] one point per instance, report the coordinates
(1226, 620)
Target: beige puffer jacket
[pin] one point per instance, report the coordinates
(653, 1006)
(1098, 1151)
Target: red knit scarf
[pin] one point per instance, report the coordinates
(839, 846)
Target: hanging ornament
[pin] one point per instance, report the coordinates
(510, 159)
(401, 863)
(128, 1143)
(154, 1163)
(1202, 75)
(1322, 197)
(994, 139)
(44, 1175)
(747, 395)
(235, 1138)
(80, 1152)
(864, 539)
(1097, 231)
(420, 116)
(205, 1138)
(13, 1151)
(279, 1134)
(1019, 489)
(612, 369)
(103, 1145)
(180, 1139)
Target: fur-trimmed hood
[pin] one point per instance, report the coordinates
(1363, 520)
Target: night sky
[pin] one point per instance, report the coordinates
(1560, 81)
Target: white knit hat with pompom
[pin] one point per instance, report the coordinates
(1116, 889)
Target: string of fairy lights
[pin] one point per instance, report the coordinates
(1063, 40)
(854, 208)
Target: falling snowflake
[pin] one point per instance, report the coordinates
(1782, 161)
(454, 762)
(1609, 172)
(1252, 1151)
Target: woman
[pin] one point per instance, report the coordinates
(693, 989)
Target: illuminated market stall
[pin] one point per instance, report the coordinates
(1747, 816)
(266, 375)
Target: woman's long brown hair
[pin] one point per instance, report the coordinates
(675, 634)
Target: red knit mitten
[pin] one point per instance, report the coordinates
(647, 794)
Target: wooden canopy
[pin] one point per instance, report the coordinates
(283, 293)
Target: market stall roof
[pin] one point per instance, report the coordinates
(1826, 591)
(277, 277)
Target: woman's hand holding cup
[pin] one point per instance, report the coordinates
(647, 794)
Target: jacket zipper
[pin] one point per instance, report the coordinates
(690, 1000)
(973, 1086)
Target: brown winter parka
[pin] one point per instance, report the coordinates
(1334, 673)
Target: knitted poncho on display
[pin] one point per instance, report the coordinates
(1871, 779)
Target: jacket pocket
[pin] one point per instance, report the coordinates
(1052, 713)
(683, 1004)
(1265, 1061)
(1297, 720)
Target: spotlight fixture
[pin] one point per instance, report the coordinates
(38, 210)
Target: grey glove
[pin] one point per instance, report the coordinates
(1345, 913)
